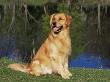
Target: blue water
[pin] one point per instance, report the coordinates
(90, 60)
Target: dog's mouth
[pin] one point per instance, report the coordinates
(56, 29)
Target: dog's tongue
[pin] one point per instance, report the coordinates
(55, 29)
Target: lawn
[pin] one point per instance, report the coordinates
(79, 75)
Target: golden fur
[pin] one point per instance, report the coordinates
(52, 57)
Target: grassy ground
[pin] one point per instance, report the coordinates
(79, 75)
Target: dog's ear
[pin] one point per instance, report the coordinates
(69, 19)
(51, 17)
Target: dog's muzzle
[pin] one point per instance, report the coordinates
(56, 28)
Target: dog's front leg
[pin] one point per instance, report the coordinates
(66, 67)
(61, 71)
(59, 67)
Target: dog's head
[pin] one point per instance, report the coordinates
(59, 21)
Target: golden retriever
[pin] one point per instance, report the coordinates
(52, 57)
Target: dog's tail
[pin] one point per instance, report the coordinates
(19, 67)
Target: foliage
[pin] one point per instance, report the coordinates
(77, 30)
(36, 2)
(79, 75)
(45, 23)
(31, 29)
(42, 2)
(29, 2)
(63, 7)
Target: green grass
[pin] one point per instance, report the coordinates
(79, 75)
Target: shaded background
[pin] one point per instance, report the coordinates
(24, 26)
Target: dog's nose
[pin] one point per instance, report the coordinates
(54, 23)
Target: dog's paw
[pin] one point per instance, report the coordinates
(66, 75)
(69, 74)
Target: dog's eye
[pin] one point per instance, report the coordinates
(60, 18)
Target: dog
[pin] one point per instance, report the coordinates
(52, 57)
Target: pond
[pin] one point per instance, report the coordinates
(90, 60)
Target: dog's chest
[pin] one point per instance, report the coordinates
(60, 47)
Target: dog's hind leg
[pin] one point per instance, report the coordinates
(35, 68)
